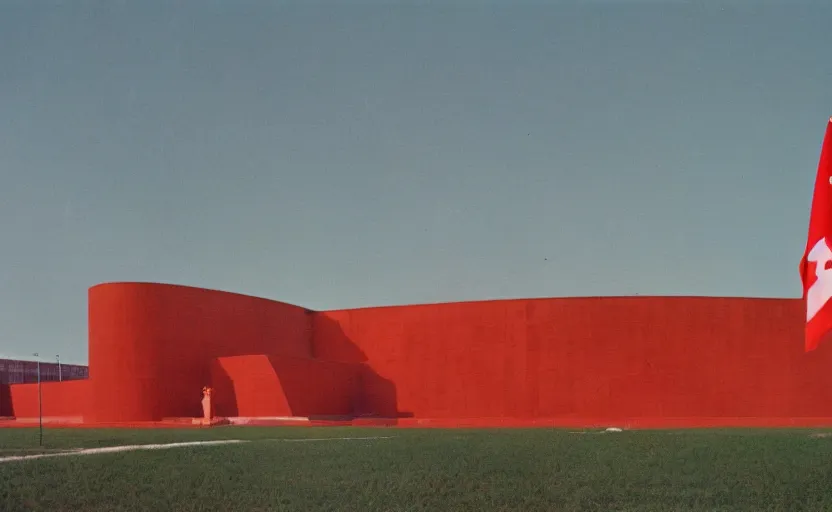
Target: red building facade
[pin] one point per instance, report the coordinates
(653, 361)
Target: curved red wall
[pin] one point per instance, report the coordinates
(151, 345)
(589, 357)
(152, 348)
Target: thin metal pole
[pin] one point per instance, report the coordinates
(60, 376)
(40, 406)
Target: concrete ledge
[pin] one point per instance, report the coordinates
(50, 419)
(572, 423)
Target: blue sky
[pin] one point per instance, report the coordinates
(368, 154)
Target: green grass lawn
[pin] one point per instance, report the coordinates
(475, 470)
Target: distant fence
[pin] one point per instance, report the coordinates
(23, 372)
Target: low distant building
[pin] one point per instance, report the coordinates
(13, 371)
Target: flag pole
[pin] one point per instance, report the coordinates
(40, 404)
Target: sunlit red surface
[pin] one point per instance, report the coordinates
(632, 361)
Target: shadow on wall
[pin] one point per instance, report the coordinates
(6, 408)
(378, 396)
(225, 391)
(260, 385)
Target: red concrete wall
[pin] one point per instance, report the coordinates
(151, 345)
(152, 348)
(260, 385)
(588, 357)
(67, 399)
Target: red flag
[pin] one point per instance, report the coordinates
(816, 264)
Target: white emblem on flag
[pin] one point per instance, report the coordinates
(821, 290)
